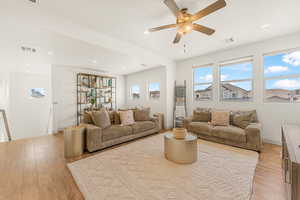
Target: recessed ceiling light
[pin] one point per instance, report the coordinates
(265, 26)
(146, 32)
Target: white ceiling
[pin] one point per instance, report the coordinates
(127, 20)
(109, 34)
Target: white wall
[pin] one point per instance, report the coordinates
(271, 115)
(143, 79)
(65, 96)
(29, 116)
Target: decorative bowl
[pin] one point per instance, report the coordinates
(179, 133)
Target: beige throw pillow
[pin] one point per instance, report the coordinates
(127, 117)
(201, 115)
(242, 120)
(220, 118)
(142, 114)
(101, 118)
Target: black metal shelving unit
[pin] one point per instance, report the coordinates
(95, 92)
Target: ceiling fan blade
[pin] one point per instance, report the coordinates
(177, 38)
(171, 4)
(210, 9)
(162, 27)
(203, 29)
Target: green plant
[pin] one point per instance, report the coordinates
(93, 101)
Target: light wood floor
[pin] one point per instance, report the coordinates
(35, 168)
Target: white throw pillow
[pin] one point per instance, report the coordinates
(127, 117)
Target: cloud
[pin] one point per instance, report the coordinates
(276, 69)
(292, 58)
(207, 78)
(224, 77)
(287, 84)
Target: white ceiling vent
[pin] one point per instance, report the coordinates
(33, 1)
(28, 49)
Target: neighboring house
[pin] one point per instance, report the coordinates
(229, 91)
(205, 94)
(135, 95)
(282, 95)
(232, 92)
(154, 94)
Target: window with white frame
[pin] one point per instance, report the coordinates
(236, 80)
(282, 76)
(135, 92)
(154, 91)
(203, 80)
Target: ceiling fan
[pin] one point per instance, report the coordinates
(185, 21)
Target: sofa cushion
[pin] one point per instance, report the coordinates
(229, 133)
(116, 131)
(141, 126)
(201, 115)
(101, 118)
(87, 118)
(220, 118)
(127, 117)
(142, 114)
(200, 128)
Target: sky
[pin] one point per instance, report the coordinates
(281, 65)
(154, 87)
(276, 65)
(135, 89)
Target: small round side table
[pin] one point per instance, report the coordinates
(74, 141)
(182, 151)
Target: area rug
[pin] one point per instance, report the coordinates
(139, 171)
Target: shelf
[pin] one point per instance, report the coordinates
(100, 88)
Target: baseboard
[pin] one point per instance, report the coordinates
(265, 140)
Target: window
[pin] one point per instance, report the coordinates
(282, 77)
(154, 91)
(135, 92)
(203, 79)
(236, 80)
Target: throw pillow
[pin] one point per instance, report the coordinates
(220, 118)
(101, 118)
(242, 120)
(127, 117)
(142, 114)
(112, 116)
(201, 115)
(87, 118)
(117, 118)
(252, 113)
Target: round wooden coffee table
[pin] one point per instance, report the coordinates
(183, 151)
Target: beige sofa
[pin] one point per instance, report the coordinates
(98, 138)
(248, 137)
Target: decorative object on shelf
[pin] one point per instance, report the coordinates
(179, 133)
(94, 92)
